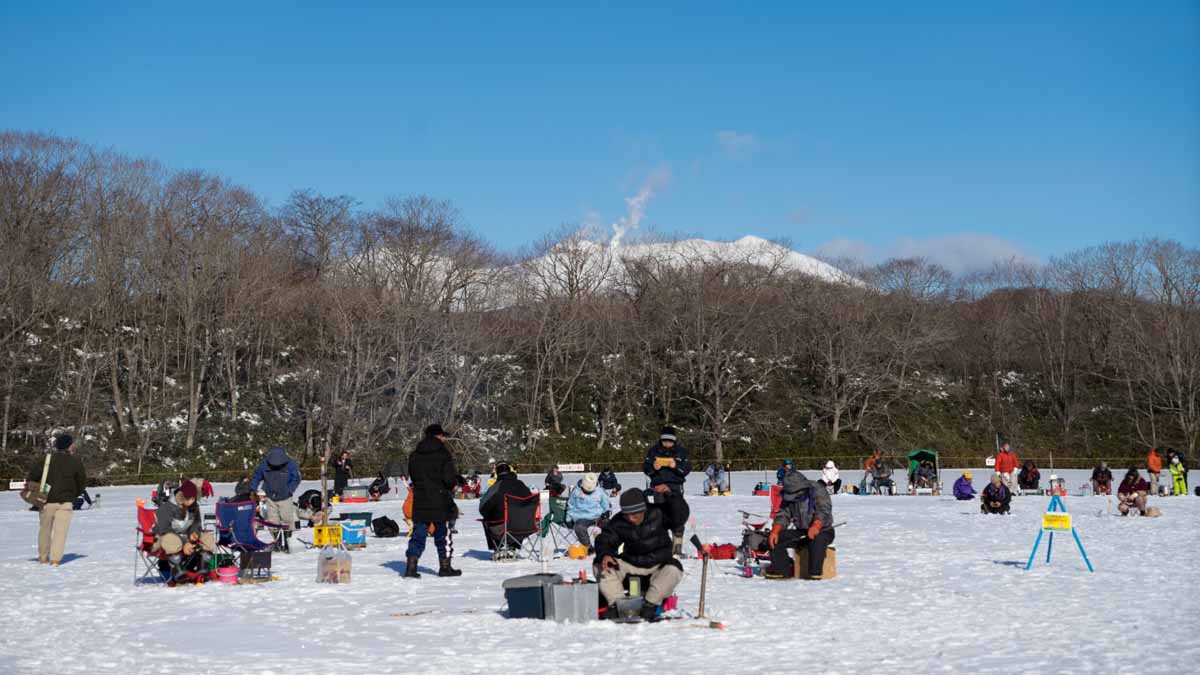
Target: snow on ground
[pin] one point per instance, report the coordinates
(924, 584)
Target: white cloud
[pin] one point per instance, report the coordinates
(738, 145)
(959, 253)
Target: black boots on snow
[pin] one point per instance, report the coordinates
(445, 570)
(410, 572)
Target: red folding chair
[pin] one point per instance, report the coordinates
(145, 559)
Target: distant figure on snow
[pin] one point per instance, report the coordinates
(1132, 493)
(996, 497)
(963, 489)
(1102, 480)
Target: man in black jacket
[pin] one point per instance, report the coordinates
(66, 479)
(667, 464)
(433, 477)
(642, 534)
(491, 504)
(343, 471)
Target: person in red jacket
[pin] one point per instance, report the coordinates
(1006, 466)
(1132, 493)
(1153, 467)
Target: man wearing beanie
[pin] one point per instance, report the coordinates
(587, 507)
(65, 480)
(805, 518)
(668, 464)
(642, 534)
(434, 476)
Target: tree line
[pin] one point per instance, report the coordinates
(175, 321)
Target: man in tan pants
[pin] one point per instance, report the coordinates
(66, 480)
(638, 542)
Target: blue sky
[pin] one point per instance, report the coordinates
(956, 130)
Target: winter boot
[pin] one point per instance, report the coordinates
(649, 612)
(445, 570)
(410, 572)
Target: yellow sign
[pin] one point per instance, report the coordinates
(1056, 521)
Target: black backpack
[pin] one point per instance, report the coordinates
(385, 527)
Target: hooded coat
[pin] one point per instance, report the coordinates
(491, 505)
(278, 474)
(963, 490)
(587, 506)
(431, 469)
(803, 502)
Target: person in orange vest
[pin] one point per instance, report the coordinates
(1006, 465)
(1154, 467)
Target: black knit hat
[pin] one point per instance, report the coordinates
(633, 501)
(667, 434)
(434, 430)
(63, 441)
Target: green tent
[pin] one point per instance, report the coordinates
(915, 457)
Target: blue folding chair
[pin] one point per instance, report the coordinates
(237, 531)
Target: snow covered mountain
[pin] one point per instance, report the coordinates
(589, 263)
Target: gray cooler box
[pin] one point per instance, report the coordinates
(572, 602)
(526, 595)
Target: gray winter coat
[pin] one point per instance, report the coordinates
(804, 501)
(170, 517)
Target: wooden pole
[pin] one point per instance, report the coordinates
(703, 584)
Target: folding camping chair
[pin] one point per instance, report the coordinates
(236, 533)
(145, 559)
(514, 534)
(557, 525)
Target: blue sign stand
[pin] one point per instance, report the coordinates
(1056, 505)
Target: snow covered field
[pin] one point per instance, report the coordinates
(925, 584)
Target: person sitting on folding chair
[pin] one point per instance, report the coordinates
(491, 505)
(555, 485)
(805, 518)
(587, 507)
(638, 541)
(180, 530)
(717, 481)
(881, 476)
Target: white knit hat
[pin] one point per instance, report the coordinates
(589, 482)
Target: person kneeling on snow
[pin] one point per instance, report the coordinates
(1132, 493)
(609, 482)
(179, 526)
(717, 481)
(807, 508)
(638, 541)
(1101, 480)
(587, 507)
(996, 496)
(963, 490)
